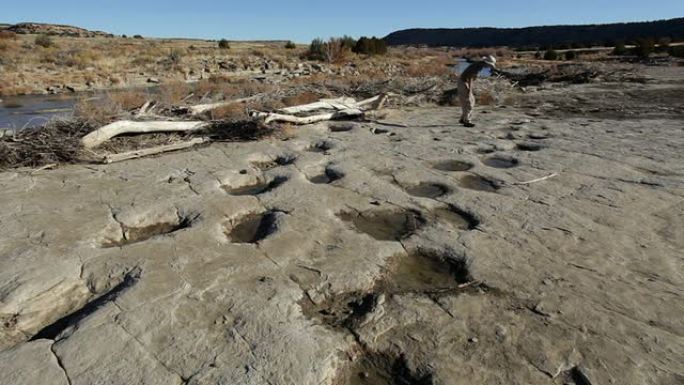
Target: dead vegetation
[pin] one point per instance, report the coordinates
(410, 76)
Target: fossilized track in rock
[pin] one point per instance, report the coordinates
(53, 330)
(428, 190)
(498, 161)
(280, 160)
(478, 183)
(131, 234)
(452, 165)
(385, 225)
(455, 217)
(321, 146)
(429, 273)
(328, 176)
(258, 188)
(253, 228)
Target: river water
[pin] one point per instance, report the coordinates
(29, 111)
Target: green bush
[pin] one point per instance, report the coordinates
(44, 41)
(316, 50)
(620, 49)
(370, 46)
(348, 42)
(290, 45)
(550, 55)
(138, 37)
(644, 48)
(677, 51)
(570, 55)
(224, 44)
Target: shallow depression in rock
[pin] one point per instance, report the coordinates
(374, 368)
(428, 190)
(282, 160)
(253, 227)
(257, 188)
(327, 176)
(478, 183)
(341, 127)
(453, 165)
(529, 146)
(131, 234)
(385, 225)
(501, 162)
(321, 146)
(428, 271)
(456, 218)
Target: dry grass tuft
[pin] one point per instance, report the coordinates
(231, 112)
(97, 111)
(129, 100)
(305, 97)
(7, 35)
(173, 93)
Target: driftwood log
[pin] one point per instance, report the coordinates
(202, 108)
(113, 158)
(275, 117)
(109, 131)
(341, 108)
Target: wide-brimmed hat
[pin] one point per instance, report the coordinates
(490, 59)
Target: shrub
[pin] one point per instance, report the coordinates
(370, 46)
(620, 49)
(570, 55)
(644, 48)
(44, 41)
(538, 55)
(348, 42)
(677, 51)
(138, 37)
(290, 45)
(316, 50)
(224, 44)
(550, 55)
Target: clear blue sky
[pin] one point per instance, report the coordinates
(301, 20)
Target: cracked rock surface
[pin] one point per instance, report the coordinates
(384, 259)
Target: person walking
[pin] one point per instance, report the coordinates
(465, 87)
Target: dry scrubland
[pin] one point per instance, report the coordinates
(102, 63)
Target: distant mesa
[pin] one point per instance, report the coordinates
(53, 29)
(600, 34)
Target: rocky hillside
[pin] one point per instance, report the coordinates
(54, 29)
(539, 36)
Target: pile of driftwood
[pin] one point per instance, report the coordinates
(201, 132)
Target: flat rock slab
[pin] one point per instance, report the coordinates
(383, 259)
